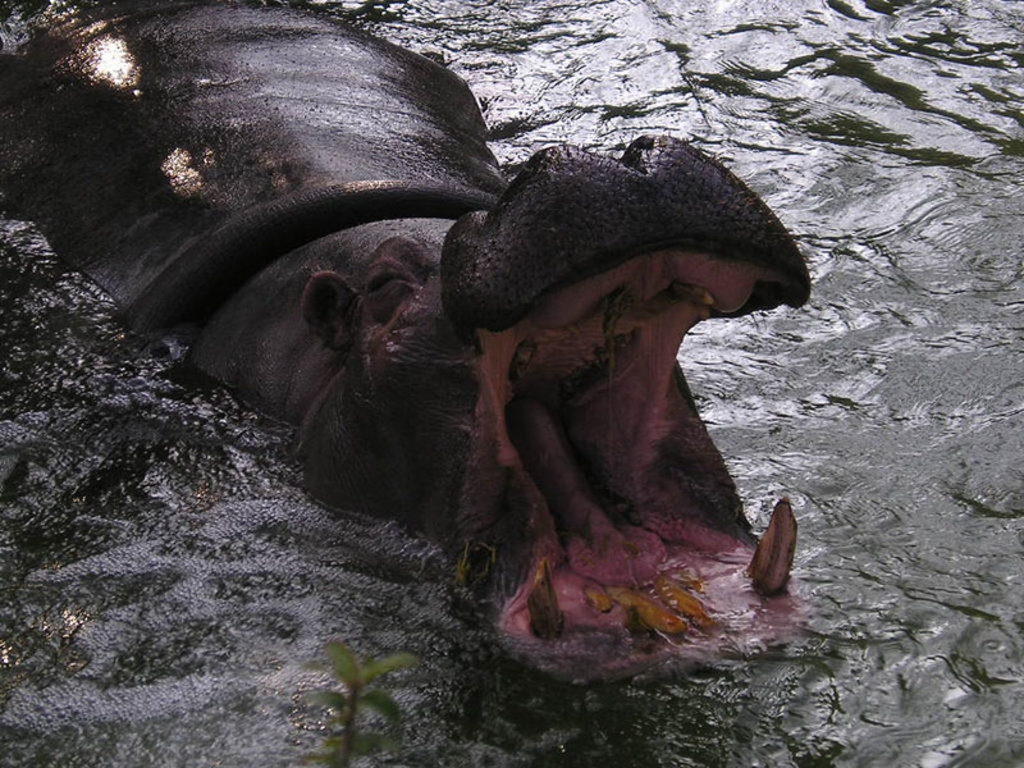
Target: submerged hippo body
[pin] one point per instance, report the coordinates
(493, 364)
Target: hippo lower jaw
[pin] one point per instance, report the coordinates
(636, 527)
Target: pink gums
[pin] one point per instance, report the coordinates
(744, 621)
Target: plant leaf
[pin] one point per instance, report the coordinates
(379, 667)
(333, 699)
(344, 662)
(381, 702)
(364, 743)
(318, 757)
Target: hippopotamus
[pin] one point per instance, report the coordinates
(491, 363)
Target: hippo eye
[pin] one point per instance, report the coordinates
(400, 268)
(381, 280)
(386, 292)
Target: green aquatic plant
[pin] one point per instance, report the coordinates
(346, 740)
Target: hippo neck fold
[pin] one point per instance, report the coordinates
(191, 288)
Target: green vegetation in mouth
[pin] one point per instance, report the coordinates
(476, 562)
(521, 359)
(615, 305)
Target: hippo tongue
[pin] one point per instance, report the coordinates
(596, 548)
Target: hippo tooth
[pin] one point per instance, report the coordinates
(598, 599)
(650, 612)
(675, 596)
(546, 618)
(548, 457)
(697, 295)
(773, 558)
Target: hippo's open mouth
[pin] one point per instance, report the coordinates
(580, 285)
(637, 525)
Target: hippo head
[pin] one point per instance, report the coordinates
(522, 402)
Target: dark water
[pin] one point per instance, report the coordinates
(163, 583)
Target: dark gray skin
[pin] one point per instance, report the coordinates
(491, 364)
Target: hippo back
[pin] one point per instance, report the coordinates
(129, 138)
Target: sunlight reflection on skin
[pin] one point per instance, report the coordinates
(180, 171)
(108, 60)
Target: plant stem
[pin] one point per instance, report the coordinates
(349, 723)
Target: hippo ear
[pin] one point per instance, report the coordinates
(327, 303)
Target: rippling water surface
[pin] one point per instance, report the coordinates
(163, 582)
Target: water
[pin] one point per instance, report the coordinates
(164, 582)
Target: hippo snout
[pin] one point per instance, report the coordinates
(571, 214)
